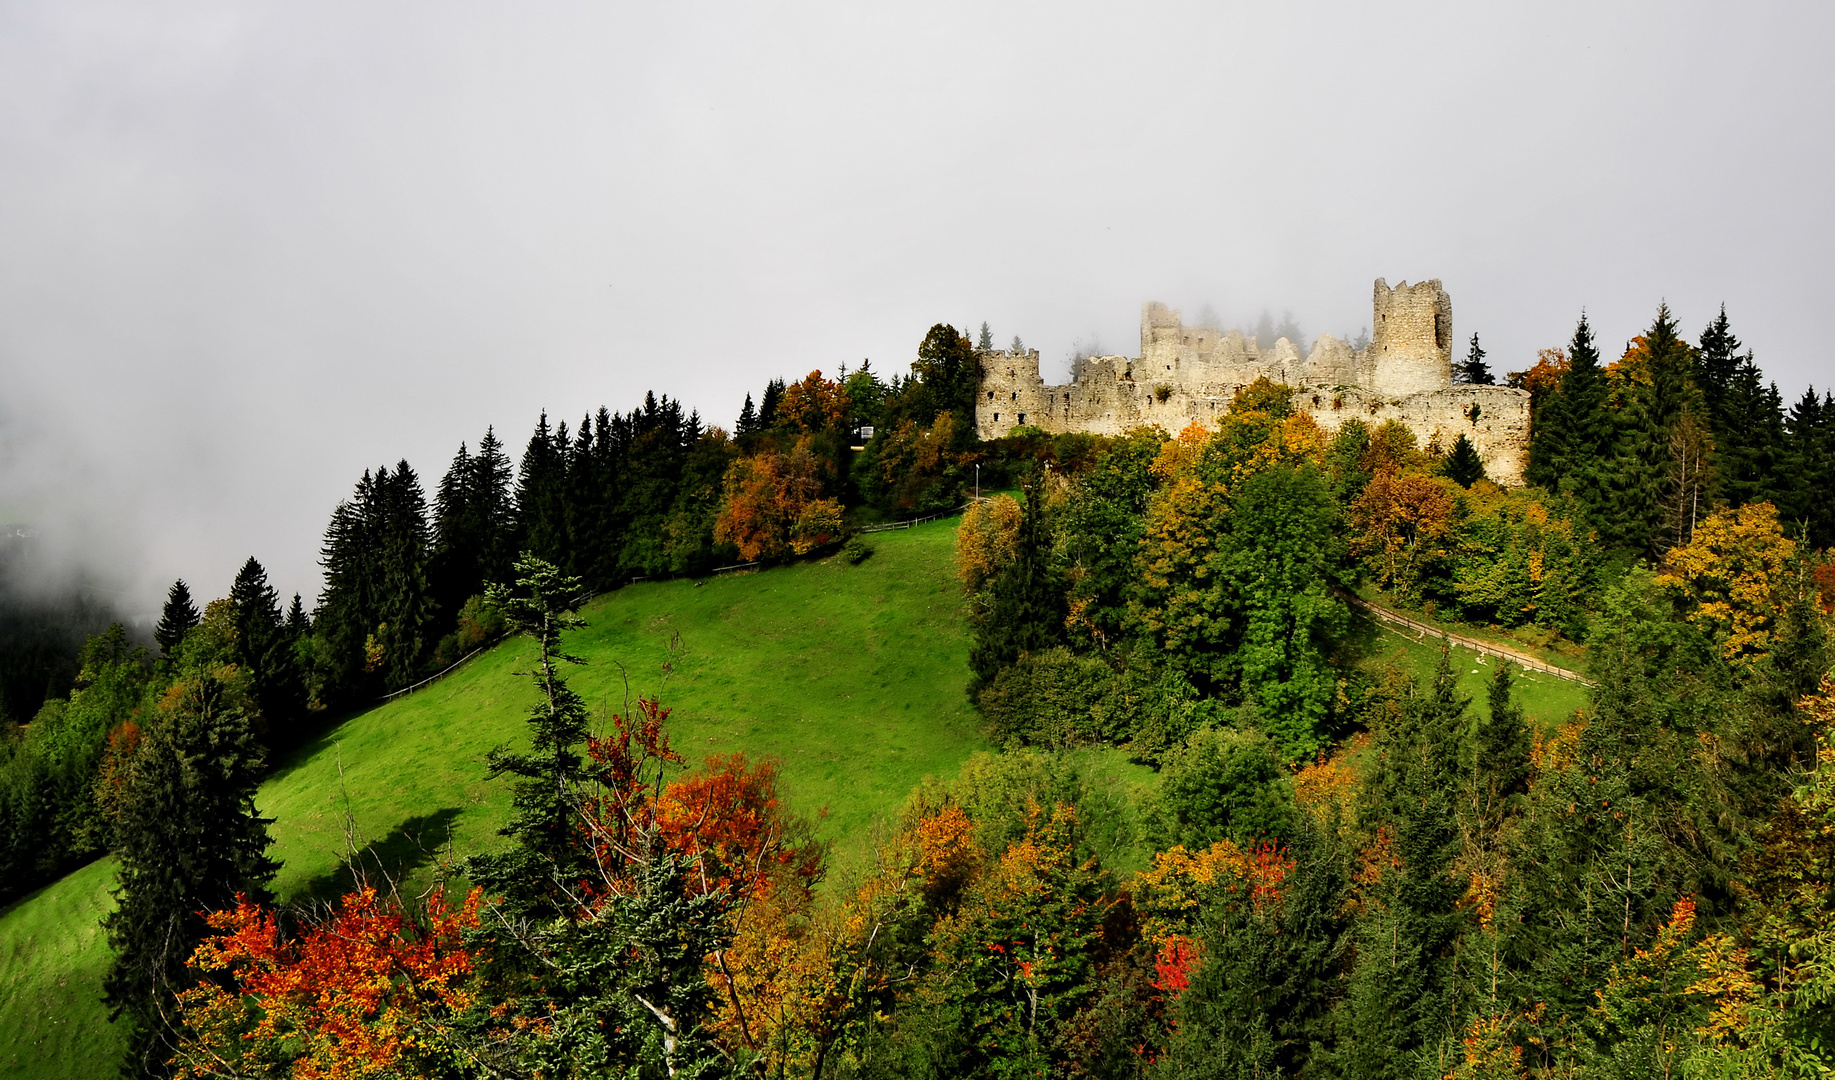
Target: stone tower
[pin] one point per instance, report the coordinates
(1411, 345)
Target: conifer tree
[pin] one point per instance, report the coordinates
(493, 510)
(1809, 460)
(1026, 615)
(1500, 749)
(537, 874)
(263, 649)
(767, 406)
(457, 536)
(298, 625)
(1403, 996)
(1658, 405)
(1463, 465)
(177, 618)
(1474, 371)
(1574, 443)
(748, 419)
(403, 627)
(189, 840)
(986, 341)
(541, 492)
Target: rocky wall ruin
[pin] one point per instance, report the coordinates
(1190, 374)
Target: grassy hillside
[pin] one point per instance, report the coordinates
(851, 675)
(1546, 700)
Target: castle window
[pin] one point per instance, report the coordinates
(990, 395)
(996, 417)
(1022, 418)
(1016, 395)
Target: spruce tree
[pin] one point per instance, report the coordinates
(458, 538)
(985, 342)
(536, 875)
(493, 510)
(541, 492)
(264, 649)
(404, 617)
(1027, 614)
(1474, 371)
(1809, 465)
(748, 419)
(298, 625)
(1656, 411)
(1403, 998)
(189, 841)
(1500, 749)
(767, 406)
(1463, 465)
(177, 619)
(1575, 449)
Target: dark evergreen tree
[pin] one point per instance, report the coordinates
(176, 620)
(1463, 465)
(1809, 465)
(535, 877)
(189, 840)
(298, 625)
(403, 632)
(454, 571)
(748, 419)
(266, 652)
(1403, 998)
(493, 511)
(1500, 750)
(1574, 443)
(1027, 612)
(541, 492)
(1260, 1004)
(767, 406)
(1660, 403)
(1474, 371)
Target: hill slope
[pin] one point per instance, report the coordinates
(851, 675)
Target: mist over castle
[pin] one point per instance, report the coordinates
(1187, 374)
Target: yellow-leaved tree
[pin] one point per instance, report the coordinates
(1734, 577)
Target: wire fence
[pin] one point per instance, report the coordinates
(1504, 652)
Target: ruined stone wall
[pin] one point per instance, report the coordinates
(1190, 374)
(1411, 346)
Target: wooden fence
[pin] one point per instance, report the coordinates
(1515, 656)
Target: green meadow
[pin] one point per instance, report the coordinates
(850, 676)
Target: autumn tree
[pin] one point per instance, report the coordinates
(1402, 527)
(773, 506)
(1733, 578)
(986, 541)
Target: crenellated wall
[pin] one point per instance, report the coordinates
(1186, 374)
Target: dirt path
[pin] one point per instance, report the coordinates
(1515, 656)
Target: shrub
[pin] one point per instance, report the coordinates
(856, 550)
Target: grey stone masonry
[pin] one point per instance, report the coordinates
(1185, 374)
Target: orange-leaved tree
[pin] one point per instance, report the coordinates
(767, 509)
(370, 991)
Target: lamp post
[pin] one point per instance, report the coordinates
(977, 481)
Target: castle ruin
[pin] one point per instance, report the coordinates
(1186, 374)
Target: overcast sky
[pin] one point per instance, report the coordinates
(249, 249)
